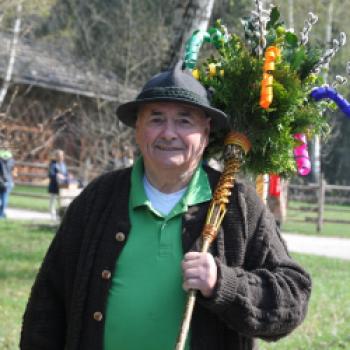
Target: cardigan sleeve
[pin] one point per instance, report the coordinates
(267, 297)
(44, 321)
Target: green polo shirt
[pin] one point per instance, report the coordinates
(146, 300)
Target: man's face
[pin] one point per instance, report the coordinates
(171, 135)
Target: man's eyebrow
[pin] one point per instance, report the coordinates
(186, 113)
(156, 112)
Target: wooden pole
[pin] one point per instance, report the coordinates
(236, 147)
(262, 186)
(321, 201)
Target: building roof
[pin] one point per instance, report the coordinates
(54, 68)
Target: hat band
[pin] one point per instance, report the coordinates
(173, 93)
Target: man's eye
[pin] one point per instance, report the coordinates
(156, 120)
(184, 121)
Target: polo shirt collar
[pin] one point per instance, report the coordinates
(198, 190)
(138, 196)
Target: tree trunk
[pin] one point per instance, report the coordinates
(291, 14)
(9, 71)
(189, 16)
(316, 166)
(329, 25)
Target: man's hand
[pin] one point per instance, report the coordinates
(200, 272)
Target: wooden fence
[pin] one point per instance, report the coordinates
(36, 174)
(321, 194)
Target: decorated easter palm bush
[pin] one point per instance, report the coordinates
(263, 83)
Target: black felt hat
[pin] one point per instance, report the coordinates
(175, 85)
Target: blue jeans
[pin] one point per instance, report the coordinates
(4, 198)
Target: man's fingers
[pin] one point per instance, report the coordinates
(188, 264)
(192, 283)
(199, 272)
(192, 256)
(192, 273)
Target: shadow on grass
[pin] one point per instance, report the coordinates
(42, 227)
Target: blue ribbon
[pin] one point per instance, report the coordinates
(322, 92)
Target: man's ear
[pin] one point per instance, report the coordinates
(208, 126)
(206, 133)
(139, 115)
(137, 129)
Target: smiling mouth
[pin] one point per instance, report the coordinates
(169, 149)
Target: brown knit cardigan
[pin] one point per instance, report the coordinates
(261, 292)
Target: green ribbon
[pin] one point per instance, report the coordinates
(194, 43)
(193, 46)
(216, 37)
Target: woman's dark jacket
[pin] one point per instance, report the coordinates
(54, 183)
(261, 291)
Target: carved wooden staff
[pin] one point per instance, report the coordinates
(262, 186)
(237, 146)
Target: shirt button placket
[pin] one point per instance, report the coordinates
(162, 227)
(164, 246)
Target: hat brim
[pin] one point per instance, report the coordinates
(127, 112)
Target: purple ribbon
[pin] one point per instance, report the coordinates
(301, 156)
(322, 92)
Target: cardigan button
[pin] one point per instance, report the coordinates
(98, 316)
(106, 274)
(120, 237)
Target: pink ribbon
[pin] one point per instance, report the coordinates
(301, 155)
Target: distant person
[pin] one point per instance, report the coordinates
(58, 176)
(6, 179)
(128, 158)
(120, 159)
(277, 199)
(115, 160)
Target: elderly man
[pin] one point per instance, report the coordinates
(117, 270)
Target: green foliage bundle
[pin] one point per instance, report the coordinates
(236, 87)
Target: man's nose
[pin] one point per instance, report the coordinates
(169, 131)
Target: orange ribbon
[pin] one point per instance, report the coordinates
(266, 95)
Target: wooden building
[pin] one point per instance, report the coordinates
(58, 101)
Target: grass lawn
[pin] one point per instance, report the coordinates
(23, 202)
(327, 326)
(334, 212)
(22, 247)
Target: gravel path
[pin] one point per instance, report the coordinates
(22, 214)
(326, 246)
(315, 245)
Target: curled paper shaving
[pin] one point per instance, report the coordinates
(275, 185)
(301, 155)
(266, 95)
